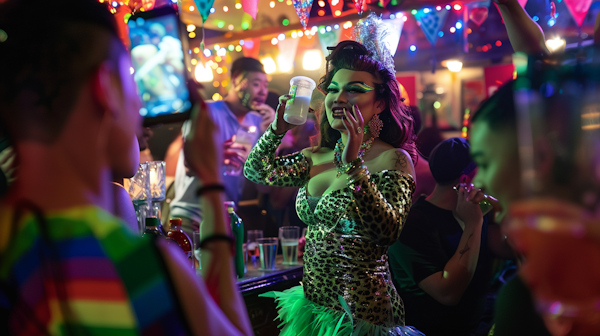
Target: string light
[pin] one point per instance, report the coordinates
(230, 27)
(274, 41)
(413, 48)
(452, 30)
(457, 7)
(272, 4)
(191, 8)
(238, 5)
(225, 9)
(321, 3)
(191, 28)
(196, 50)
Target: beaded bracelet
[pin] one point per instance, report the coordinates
(218, 237)
(211, 187)
(358, 175)
(354, 165)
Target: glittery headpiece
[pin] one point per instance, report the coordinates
(370, 33)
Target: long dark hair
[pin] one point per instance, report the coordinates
(397, 128)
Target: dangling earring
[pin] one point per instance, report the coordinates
(375, 126)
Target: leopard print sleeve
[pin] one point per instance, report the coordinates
(264, 168)
(382, 202)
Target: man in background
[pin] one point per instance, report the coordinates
(441, 265)
(243, 106)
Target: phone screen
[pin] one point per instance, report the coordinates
(158, 62)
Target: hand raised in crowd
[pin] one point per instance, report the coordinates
(281, 126)
(467, 206)
(8, 164)
(202, 156)
(267, 114)
(355, 125)
(235, 154)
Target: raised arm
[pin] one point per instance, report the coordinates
(264, 168)
(524, 34)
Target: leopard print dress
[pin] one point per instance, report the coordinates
(350, 230)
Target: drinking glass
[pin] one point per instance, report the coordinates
(554, 223)
(267, 248)
(252, 245)
(197, 252)
(296, 108)
(245, 136)
(289, 236)
(139, 192)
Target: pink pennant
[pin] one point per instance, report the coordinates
(250, 7)
(478, 15)
(359, 5)
(579, 9)
(523, 3)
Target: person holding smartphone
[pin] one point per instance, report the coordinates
(244, 107)
(68, 267)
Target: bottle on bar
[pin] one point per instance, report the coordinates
(237, 228)
(153, 227)
(177, 235)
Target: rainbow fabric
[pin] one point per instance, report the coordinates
(115, 282)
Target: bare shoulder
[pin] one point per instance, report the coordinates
(398, 159)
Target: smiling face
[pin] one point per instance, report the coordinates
(252, 88)
(349, 88)
(496, 153)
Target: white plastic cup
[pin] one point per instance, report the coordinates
(296, 108)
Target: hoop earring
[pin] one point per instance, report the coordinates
(375, 126)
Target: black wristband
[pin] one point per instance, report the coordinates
(218, 237)
(211, 187)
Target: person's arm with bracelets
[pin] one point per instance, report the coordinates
(198, 299)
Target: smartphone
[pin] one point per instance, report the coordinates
(158, 54)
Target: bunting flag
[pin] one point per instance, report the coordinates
(303, 8)
(359, 5)
(287, 54)
(329, 39)
(431, 21)
(523, 3)
(384, 3)
(204, 7)
(250, 7)
(393, 32)
(478, 11)
(578, 9)
(336, 7)
(251, 47)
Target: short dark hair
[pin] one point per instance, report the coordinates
(46, 59)
(246, 64)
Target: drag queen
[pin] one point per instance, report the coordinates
(356, 190)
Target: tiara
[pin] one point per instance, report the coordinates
(370, 33)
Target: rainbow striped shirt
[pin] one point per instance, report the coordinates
(110, 282)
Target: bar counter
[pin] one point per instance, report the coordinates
(262, 311)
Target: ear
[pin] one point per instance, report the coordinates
(104, 90)
(380, 106)
(464, 178)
